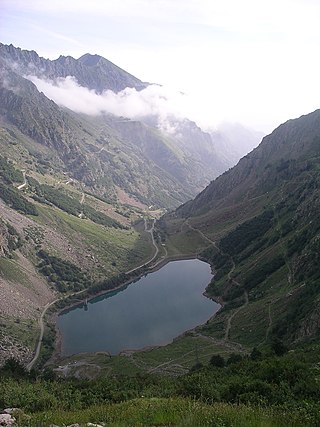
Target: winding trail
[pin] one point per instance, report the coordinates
(41, 324)
(270, 322)
(81, 214)
(154, 245)
(230, 278)
(202, 235)
(47, 306)
(82, 198)
(230, 318)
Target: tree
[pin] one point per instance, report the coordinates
(217, 361)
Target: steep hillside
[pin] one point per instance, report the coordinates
(55, 239)
(74, 189)
(92, 153)
(105, 153)
(260, 224)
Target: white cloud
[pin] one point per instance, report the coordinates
(151, 101)
(251, 61)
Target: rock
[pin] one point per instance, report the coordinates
(18, 415)
(6, 420)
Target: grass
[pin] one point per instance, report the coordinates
(187, 242)
(25, 331)
(173, 359)
(173, 412)
(116, 250)
(10, 270)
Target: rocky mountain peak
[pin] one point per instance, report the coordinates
(91, 71)
(90, 60)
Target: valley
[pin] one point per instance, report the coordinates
(151, 257)
(80, 193)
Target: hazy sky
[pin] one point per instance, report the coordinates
(252, 61)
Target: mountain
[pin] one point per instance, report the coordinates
(105, 153)
(91, 71)
(258, 224)
(76, 190)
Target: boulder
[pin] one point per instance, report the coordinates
(6, 420)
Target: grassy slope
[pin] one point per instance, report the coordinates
(173, 411)
(295, 206)
(265, 390)
(101, 251)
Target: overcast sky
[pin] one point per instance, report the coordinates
(256, 62)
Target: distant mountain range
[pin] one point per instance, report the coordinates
(73, 185)
(105, 153)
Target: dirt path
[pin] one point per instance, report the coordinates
(82, 198)
(270, 322)
(145, 264)
(201, 234)
(230, 318)
(230, 278)
(41, 324)
(21, 186)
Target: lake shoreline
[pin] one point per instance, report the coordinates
(56, 356)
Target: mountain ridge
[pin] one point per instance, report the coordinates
(182, 176)
(101, 76)
(260, 157)
(261, 225)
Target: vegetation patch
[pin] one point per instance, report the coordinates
(260, 389)
(13, 198)
(8, 172)
(238, 239)
(63, 274)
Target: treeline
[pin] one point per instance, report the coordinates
(101, 218)
(65, 275)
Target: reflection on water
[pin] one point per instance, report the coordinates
(151, 311)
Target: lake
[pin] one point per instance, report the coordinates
(150, 312)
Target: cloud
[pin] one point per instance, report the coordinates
(154, 100)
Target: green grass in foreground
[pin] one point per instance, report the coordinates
(173, 412)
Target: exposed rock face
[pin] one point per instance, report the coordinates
(106, 152)
(92, 71)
